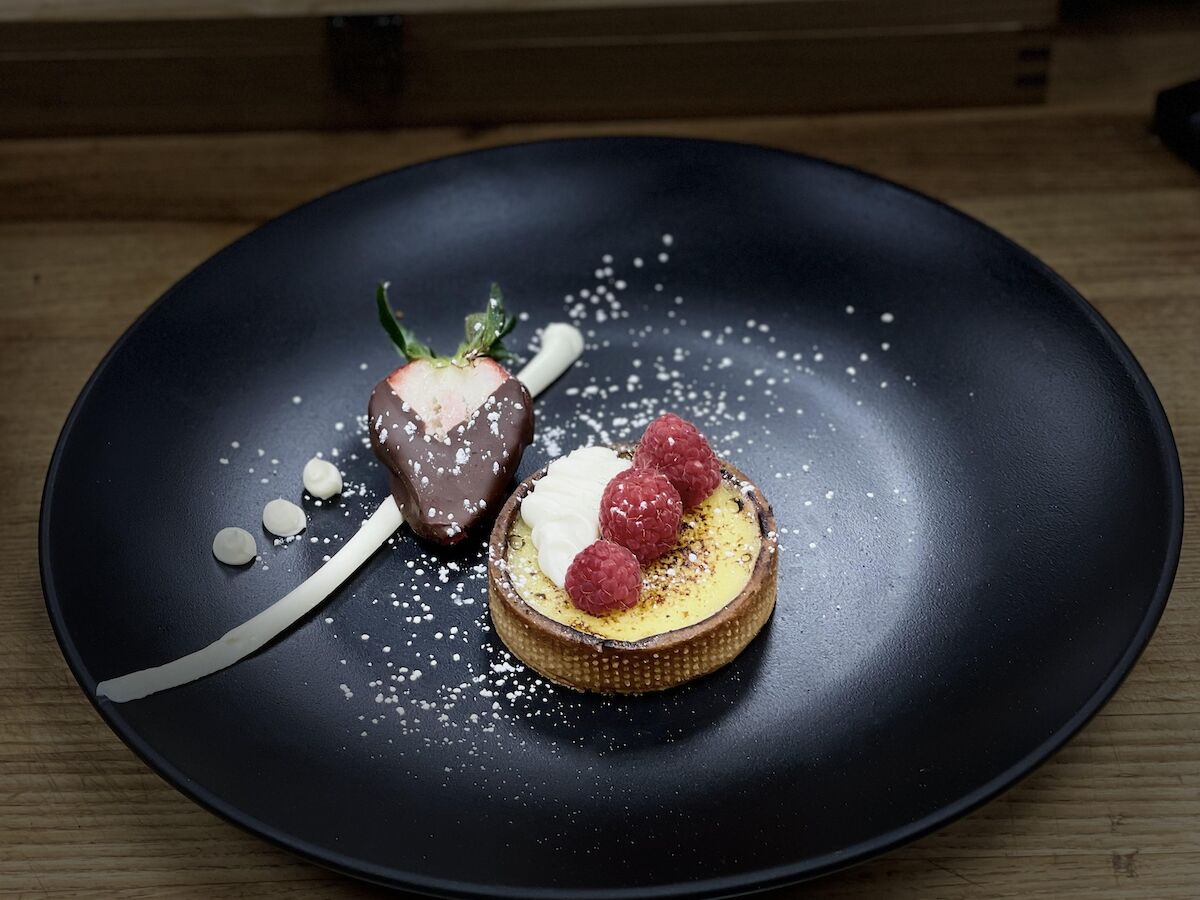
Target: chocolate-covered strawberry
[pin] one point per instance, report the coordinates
(450, 429)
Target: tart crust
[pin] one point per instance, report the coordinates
(586, 662)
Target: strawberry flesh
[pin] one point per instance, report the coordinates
(444, 396)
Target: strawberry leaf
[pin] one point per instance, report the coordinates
(485, 331)
(406, 342)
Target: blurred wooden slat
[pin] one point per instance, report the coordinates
(138, 10)
(92, 230)
(1026, 151)
(529, 65)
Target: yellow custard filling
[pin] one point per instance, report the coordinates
(719, 542)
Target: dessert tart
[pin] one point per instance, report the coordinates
(706, 589)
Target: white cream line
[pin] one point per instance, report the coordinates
(562, 344)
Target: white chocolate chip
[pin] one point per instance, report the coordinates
(322, 478)
(284, 518)
(234, 546)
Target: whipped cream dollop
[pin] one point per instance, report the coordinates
(234, 546)
(321, 478)
(563, 509)
(284, 518)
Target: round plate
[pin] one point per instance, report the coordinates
(979, 500)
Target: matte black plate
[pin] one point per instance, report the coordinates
(973, 557)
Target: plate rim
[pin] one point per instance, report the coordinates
(744, 882)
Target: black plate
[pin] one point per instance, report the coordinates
(974, 554)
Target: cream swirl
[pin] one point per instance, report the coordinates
(563, 510)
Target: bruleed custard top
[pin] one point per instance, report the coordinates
(719, 542)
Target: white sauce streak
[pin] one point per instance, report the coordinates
(561, 345)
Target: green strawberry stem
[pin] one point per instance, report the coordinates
(485, 332)
(406, 342)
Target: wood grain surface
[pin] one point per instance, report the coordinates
(137, 10)
(91, 231)
(450, 66)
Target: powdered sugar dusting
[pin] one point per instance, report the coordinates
(415, 665)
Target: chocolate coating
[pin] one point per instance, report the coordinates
(446, 486)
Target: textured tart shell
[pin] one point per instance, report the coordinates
(590, 663)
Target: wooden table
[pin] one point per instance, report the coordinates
(91, 231)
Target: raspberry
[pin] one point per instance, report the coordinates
(604, 577)
(640, 509)
(674, 447)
